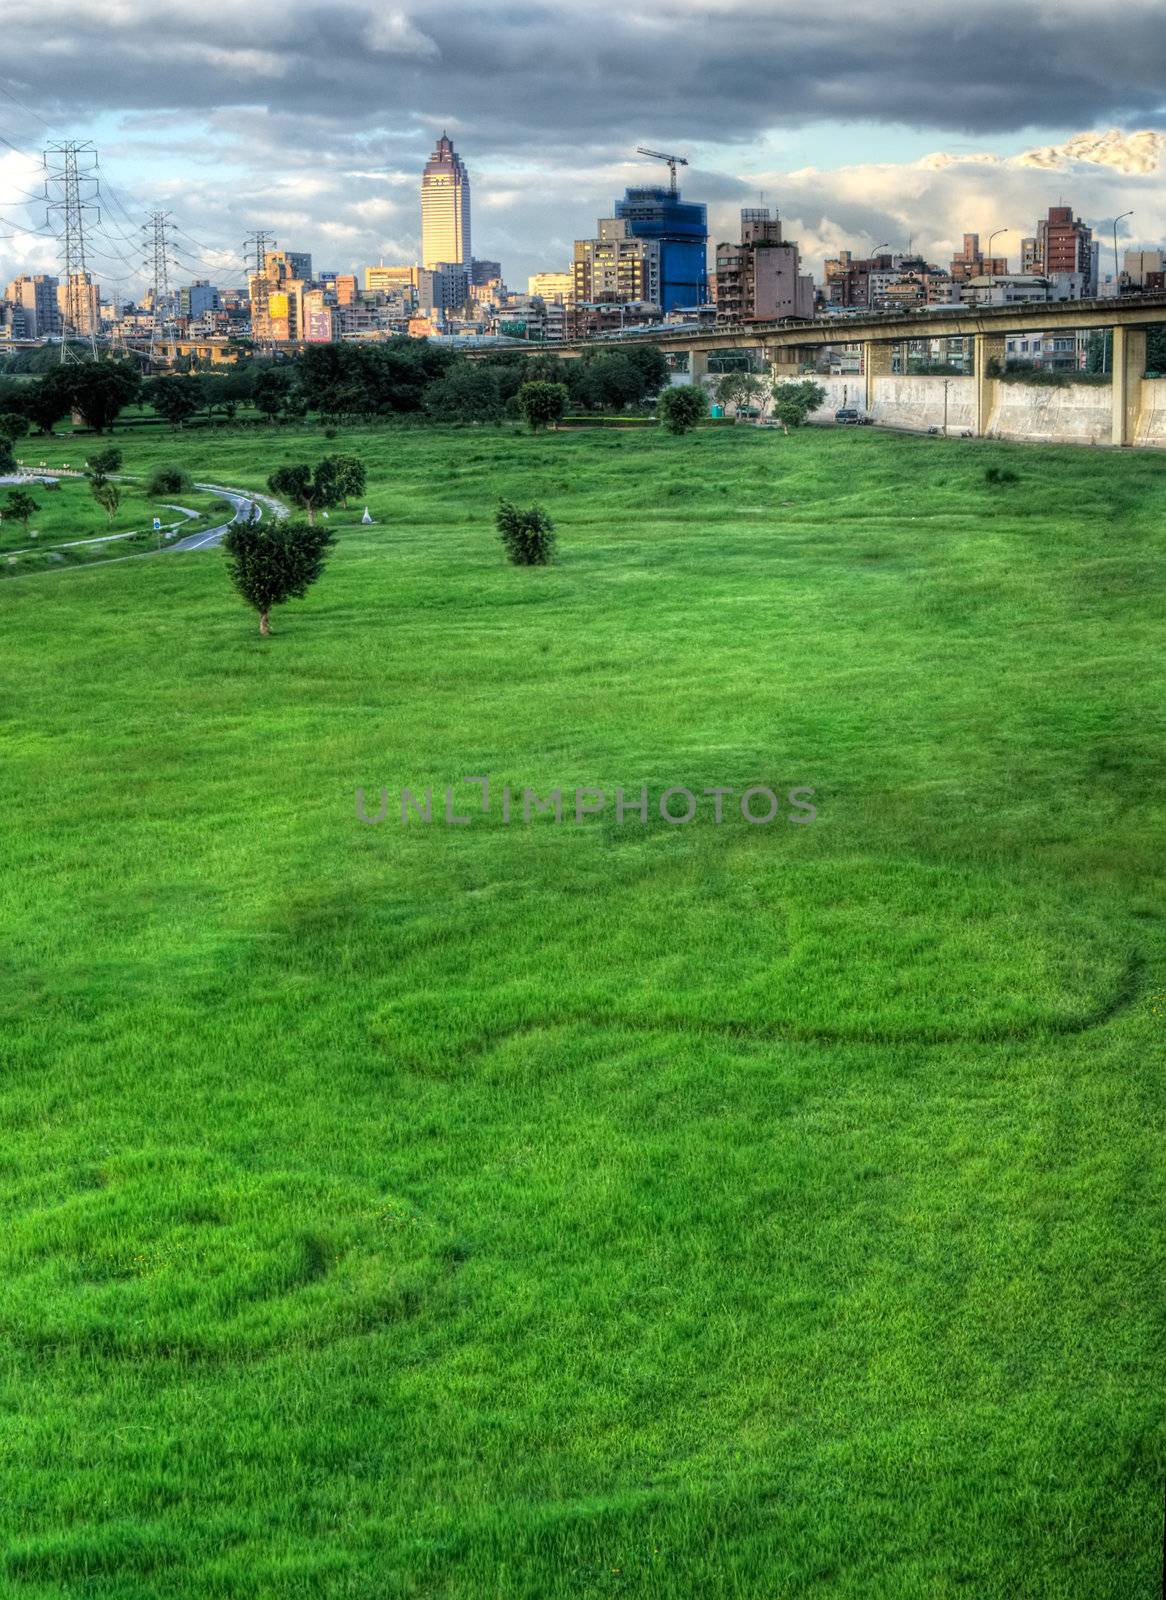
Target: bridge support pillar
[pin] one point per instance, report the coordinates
(1129, 364)
(698, 366)
(877, 362)
(986, 349)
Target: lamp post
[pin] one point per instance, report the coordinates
(995, 234)
(1116, 268)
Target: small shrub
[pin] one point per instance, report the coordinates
(169, 480)
(1000, 475)
(682, 407)
(529, 536)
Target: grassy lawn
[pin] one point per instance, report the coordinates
(537, 1212)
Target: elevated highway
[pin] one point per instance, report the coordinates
(983, 404)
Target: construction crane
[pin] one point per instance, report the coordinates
(659, 155)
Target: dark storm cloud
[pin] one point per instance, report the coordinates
(602, 73)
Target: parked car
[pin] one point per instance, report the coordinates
(846, 414)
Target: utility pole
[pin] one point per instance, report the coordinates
(157, 264)
(70, 167)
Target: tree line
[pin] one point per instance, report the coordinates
(338, 383)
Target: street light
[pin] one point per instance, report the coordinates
(995, 234)
(1116, 269)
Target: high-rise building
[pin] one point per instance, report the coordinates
(760, 278)
(972, 263)
(315, 316)
(1064, 247)
(197, 298)
(617, 268)
(390, 280)
(552, 286)
(445, 208)
(79, 301)
(1141, 264)
(37, 297)
(484, 272)
(285, 264)
(345, 288)
(444, 288)
(680, 229)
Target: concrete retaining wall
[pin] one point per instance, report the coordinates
(918, 403)
(1080, 413)
(1152, 422)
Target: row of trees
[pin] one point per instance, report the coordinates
(345, 383)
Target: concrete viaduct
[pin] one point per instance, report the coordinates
(1130, 410)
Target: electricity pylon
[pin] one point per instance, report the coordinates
(70, 168)
(157, 265)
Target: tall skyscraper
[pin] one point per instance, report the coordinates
(681, 230)
(445, 209)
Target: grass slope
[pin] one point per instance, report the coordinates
(544, 1212)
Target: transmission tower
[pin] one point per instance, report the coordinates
(255, 251)
(71, 189)
(157, 265)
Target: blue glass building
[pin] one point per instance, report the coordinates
(682, 230)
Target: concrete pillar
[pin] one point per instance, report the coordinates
(877, 362)
(784, 362)
(986, 348)
(1129, 365)
(698, 365)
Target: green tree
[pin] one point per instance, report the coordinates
(13, 426)
(103, 463)
(49, 399)
(682, 406)
(7, 455)
(270, 392)
(100, 391)
(1155, 351)
(741, 390)
(529, 536)
(467, 393)
(793, 402)
(342, 477)
(310, 491)
(107, 495)
(176, 398)
(275, 561)
(168, 480)
(542, 404)
(20, 507)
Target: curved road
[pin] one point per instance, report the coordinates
(246, 507)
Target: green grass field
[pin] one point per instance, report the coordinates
(532, 1212)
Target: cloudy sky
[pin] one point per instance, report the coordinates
(863, 123)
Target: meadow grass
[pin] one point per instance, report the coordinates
(539, 1211)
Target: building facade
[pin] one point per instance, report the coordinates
(552, 286)
(615, 267)
(680, 229)
(759, 278)
(36, 295)
(972, 263)
(445, 209)
(79, 301)
(443, 289)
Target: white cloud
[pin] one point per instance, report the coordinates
(392, 33)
